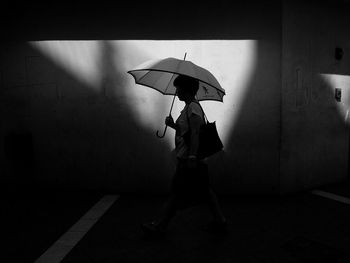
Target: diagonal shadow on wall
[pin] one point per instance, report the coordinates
(81, 137)
(77, 131)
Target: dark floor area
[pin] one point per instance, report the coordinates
(34, 220)
(341, 188)
(297, 228)
(300, 227)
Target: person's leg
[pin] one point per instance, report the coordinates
(171, 205)
(168, 213)
(211, 198)
(158, 226)
(215, 207)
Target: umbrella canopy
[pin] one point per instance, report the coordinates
(160, 74)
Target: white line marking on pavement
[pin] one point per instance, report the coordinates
(335, 197)
(68, 240)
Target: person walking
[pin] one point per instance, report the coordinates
(190, 184)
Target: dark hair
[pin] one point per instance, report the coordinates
(191, 85)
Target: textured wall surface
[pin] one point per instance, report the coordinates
(86, 137)
(58, 129)
(315, 135)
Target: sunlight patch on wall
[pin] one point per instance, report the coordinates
(81, 58)
(230, 61)
(342, 83)
(98, 64)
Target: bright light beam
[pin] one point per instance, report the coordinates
(341, 82)
(232, 62)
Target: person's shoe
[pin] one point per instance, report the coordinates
(153, 228)
(217, 227)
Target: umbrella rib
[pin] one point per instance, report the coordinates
(177, 69)
(167, 71)
(167, 86)
(144, 75)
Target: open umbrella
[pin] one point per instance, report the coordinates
(160, 74)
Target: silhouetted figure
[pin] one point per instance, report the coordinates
(190, 184)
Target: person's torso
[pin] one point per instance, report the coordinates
(182, 123)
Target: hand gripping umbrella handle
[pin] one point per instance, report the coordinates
(161, 136)
(157, 133)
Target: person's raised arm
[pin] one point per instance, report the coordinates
(169, 121)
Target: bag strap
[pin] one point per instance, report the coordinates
(205, 116)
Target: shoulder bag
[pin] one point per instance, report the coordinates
(209, 140)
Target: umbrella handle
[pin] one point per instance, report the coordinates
(161, 136)
(172, 104)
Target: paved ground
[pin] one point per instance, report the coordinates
(342, 188)
(34, 220)
(296, 228)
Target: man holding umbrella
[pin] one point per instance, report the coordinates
(190, 184)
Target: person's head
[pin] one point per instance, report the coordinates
(187, 87)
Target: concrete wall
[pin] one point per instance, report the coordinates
(288, 133)
(315, 135)
(81, 135)
(86, 137)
